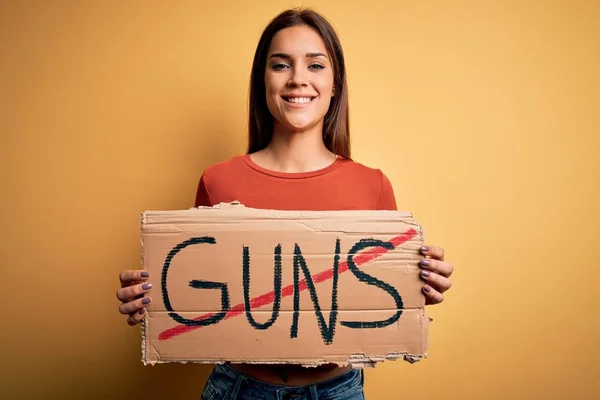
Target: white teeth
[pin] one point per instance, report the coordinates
(299, 99)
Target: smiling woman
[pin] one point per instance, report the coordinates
(299, 88)
(298, 159)
(299, 53)
(299, 85)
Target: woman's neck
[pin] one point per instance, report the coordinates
(294, 152)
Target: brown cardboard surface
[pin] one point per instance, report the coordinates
(323, 286)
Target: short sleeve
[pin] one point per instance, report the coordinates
(202, 196)
(387, 200)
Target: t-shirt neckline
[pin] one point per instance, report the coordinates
(293, 175)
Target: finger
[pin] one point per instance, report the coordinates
(128, 276)
(441, 267)
(128, 293)
(432, 296)
(135, 305)
(438, 282)
(433, 252)
(136, 317)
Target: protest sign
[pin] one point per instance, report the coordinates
(237, 284)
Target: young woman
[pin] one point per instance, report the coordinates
(298, 159)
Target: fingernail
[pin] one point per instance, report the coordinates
(146, 300)
(146, 286)
(424, 263)
(142, 310)
(426, 288)
(144, 274)
(424, 249)
(425, 274)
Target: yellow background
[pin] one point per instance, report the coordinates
(483, 114)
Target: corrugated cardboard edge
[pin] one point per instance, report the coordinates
(356, 360)
(143, 252)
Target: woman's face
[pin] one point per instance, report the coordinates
(298, 78)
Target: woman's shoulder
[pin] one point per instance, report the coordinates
(225, 167)
(215, 177)
(363, 171)
(374, 180)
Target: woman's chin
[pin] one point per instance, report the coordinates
(299, 126)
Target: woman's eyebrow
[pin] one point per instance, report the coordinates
(314, 55)
(287, 56)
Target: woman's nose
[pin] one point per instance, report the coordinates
(298, 78)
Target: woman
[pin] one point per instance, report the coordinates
(298, 159)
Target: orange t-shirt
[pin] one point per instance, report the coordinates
(343, 185)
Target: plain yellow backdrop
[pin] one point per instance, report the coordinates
(483, 114)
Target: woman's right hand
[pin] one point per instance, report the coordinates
(131, 294)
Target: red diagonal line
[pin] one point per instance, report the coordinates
(269, 297)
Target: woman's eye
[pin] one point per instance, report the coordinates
(317, 66)
(278, 66)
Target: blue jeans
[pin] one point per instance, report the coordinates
(226, 383)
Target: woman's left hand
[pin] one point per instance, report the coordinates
(436, 274)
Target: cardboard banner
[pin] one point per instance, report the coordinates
(237, 284)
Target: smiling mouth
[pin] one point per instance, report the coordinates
(298, 100)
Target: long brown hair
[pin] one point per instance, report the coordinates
(336, 127)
